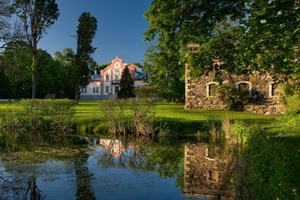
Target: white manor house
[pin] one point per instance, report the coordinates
(106, 84)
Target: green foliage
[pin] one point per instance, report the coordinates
(51, 78)
(126, 85)
(166, 74)
(290, 97)
(36, 17)
(131, 116)
(143, 116)
(270, 37)
(114, 110)
(86, 31)
(66, 59)
(14, 65)
(145, 92)
(240, 132)
(233, 97)
(266, 171)
(30, 120)
(243, 35)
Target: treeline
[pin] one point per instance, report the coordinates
(21, 60)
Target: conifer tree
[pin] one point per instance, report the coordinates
(126, 85)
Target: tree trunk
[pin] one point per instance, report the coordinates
(76, 94)
(33, 78)
(33, 69)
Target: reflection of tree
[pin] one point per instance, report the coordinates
(12, 187)
(168, 161)
(33, 191)
(83, 177)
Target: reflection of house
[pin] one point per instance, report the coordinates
(107, 83)
(208, 172)
(116, 147)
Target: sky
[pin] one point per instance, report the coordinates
(120, 29)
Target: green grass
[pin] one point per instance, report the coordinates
(89, 115)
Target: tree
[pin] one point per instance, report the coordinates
(36, 16)
(243, 35)
(126, 85)
(66, 59)
(14, 65)
(51, 78)
(86, 31)
(175, 24)
(271, 37)
(165, 73)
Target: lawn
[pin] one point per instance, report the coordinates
(89, 115)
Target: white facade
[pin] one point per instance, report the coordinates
(107, 84)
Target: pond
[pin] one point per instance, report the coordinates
(119, 169)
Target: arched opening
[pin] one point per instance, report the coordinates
(211, 89)
(244, 86)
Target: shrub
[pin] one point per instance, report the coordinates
(142, 116)
(234, 98)
(114, 111)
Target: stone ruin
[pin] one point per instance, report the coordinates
(262, 90)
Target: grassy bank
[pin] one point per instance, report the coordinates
(89, 116)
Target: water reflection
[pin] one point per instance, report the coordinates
(114, 168)
(209, 170)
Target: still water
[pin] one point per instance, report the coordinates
(115, 169)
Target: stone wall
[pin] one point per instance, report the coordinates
(263, 92)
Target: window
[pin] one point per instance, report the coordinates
(116, 70)
(117, 65)
(211, 89)
(117, 78)
(107, 89)
(117, 90)
(83, 90)
(107, 77)
(245, 86)
(95, 89)
(274, 90)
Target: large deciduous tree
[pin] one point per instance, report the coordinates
(174, 24)
(271, 37)
(244, 35)
(126, 85)
(86, 31)
(166, 74)
(36, 16)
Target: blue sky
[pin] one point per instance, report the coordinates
(120, 28)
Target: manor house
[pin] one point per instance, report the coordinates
(106, 84)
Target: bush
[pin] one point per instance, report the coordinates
(265, 171)
(234, 98)
(127, 116)
(30, 121)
